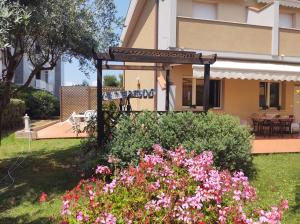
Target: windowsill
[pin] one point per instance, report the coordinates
(271, 109)
(199, 108)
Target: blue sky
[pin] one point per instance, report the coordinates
(71, 70)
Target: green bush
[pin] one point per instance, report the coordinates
(40, 104)
(13, 115)
(222, 134)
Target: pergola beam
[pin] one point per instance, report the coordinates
(155, 56)
(133, 67)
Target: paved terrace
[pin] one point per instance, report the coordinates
(260, 145)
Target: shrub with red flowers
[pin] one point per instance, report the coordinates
(168, 186)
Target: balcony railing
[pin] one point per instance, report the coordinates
(289, 42)
(223, 36)
(40, 84)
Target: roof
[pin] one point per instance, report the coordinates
(130, 12)
(286, 3)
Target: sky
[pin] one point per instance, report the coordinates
(72, 74)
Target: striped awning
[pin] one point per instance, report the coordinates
(250, 71)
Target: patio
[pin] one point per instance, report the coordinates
(276, 145)
(261, 145)
(59, 130)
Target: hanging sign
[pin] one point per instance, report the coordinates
(142, 93)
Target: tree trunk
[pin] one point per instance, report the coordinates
(4, 101)
(1, 112)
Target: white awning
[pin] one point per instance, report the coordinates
(250, 71)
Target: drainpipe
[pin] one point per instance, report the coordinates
(156, 47)
(275, 29)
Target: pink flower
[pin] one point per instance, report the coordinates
(284, 204)
(79, 217)
(103, 170)
(66, 207)
(106, 218)
(158, 150)
(153, 159)
(109, 188)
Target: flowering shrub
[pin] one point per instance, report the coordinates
(167, 187)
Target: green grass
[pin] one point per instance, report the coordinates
(279, 177)
(51, 166)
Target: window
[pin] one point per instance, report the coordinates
(193, 90)
(286, 20)
(187, 89)
(38, 76)
(269, 94)
(204, 11)
(46, 76)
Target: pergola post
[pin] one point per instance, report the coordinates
(167, 90)
(100, 114)
(206, 87)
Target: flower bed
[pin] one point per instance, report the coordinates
(168, 186)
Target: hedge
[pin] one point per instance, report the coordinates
(40, 104)
(13, 115)
(222, 134)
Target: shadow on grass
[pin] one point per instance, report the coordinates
(297, 199)
(24, 219)
(50, 172)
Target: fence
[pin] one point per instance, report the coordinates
(79, 99)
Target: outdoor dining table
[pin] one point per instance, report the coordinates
(270, 126)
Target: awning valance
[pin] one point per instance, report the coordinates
(250, 71)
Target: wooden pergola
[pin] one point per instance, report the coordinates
(162, 59)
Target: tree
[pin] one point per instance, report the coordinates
(121, 80)
(43, 31)
(111, 81)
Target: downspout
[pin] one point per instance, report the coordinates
(156, 47)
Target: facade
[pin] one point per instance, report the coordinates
(50, 81)
(258, 48)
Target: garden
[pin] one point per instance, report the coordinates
(135, 180)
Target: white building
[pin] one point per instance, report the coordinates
(50, 81)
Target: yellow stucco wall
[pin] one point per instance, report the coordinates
(143, 36)
(239, 97)
(222, 36)
(289, 42)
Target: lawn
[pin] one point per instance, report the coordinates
(51, 166)
(279, 177)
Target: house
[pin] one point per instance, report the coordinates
(258, 48)
(50, 81)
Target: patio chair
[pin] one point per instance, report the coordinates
(257, 125)
(75, 125)
(89, 114)
(286, 126)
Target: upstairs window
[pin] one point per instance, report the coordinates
(46, 76)
(286, 20)
(38, 76)
(204, 11)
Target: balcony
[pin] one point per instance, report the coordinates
(40, 84)
(289, 42)
(223, 36)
